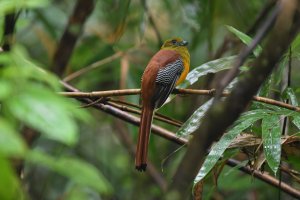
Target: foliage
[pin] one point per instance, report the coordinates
(78, 153)
(271, 130)
(245, 39)
(28, 99)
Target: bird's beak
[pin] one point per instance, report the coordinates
(183, 43)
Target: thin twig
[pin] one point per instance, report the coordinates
(139, 107)
(93, 66)
(294, 174)
(131, 110)
(266, 178)
(110, 93)
(124, 103)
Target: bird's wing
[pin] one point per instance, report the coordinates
(165, 81)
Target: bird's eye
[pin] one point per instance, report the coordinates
(174, 41)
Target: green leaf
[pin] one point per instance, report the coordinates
(195, 120)
(209, 67)
(216, 152)
(77, 192)
(77, 170)
(47, 112)
(5, 89)
(296, 43)
(11, 144)
(271, 135)
(278, 73)
(28, 70)
(7, 6)
(245, 39)
(33, 99)
(290, 94)
(296, 121)
(10, 187)
(276, 110)
(264, 90)
(19, 70)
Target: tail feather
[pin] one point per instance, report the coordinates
(143, 138)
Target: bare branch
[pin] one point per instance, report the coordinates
(110, 93)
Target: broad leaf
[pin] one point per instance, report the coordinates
(46, 112)
(271, 135)
(264, 90)
(213, 66)
(290, 94)
(78, 171)
(216, 152)
(194, 121)
(24, 68)
(10, 187)
(245, 39)
(296, 43)
(11, 144)
(7, 6)
(77, 192)
(296, 121)
(276, 110)
(5, 89)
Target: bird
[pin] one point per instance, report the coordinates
(165, 70)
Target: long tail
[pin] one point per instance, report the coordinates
(143, 139)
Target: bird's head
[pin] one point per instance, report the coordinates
(175, 43)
